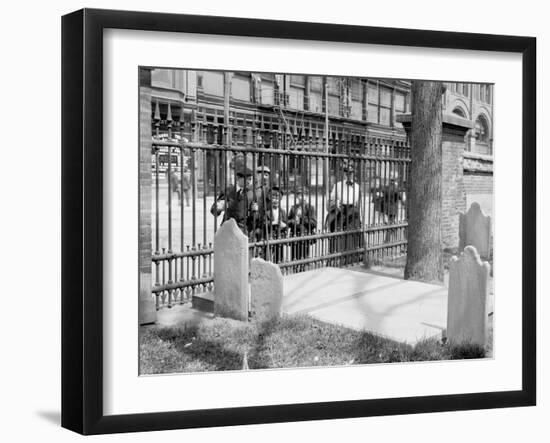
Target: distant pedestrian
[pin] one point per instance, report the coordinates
(175, 184)
(186, 185)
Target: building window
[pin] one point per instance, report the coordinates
(400, 102)
(315, 94)
(263, 87)
(356, 92)
(385, 106)
(400, 105)
(333, 86)
(482, 130)
(212, 83)
(162, 78)
(379, 108)
(296, 91)
(459, 112)
(240, 87)
(372, 109)
(267, 92)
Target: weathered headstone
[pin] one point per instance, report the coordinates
(467, 302)
(475, 230)
(266, 290)
(231, 272)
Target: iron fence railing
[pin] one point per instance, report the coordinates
(341, 197)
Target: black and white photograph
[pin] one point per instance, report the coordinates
(275, 221)
(298, 220)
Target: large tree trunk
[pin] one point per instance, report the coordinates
(424, 254)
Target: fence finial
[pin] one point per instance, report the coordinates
(157, 111)
(169, 114)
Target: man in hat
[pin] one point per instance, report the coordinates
(263, 174)
(238, 202)
(345, 211)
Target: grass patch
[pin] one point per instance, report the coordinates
(289, 342)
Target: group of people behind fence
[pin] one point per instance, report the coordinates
(255, 205)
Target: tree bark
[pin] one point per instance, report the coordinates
(424, 253)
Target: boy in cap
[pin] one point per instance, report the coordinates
(277, 223)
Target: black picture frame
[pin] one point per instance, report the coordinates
(82, 220)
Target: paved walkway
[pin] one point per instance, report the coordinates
(406, 311)
(403, 310)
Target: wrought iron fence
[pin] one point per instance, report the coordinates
(325, 202)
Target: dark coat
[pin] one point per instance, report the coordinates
(347, 217)
(275, 227)
(304, 225)
(261, 216)
(237, 206)
(386, 199)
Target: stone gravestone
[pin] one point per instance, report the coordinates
(266, 282)
(231, 272)
(467, 301)
(475, 230)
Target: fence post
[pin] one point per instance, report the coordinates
(453, 195)
(147, 306)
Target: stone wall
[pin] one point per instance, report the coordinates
(478, 181)
(454, 199)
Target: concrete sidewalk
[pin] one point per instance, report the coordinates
(403, 310)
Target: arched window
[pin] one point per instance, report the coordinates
(482, 130)
(459, 112)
